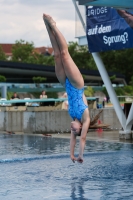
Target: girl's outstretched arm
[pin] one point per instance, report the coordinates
(84, 131)
(72, 146)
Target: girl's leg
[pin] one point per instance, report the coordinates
(59, 69)
(70, 68)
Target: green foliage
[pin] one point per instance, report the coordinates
(22, 51)
(112, 78)
(119, 61)
(9, 95)
(83, 76)
(2, 78)
(52, 94)
(39, 79)
(115, 61)
(2, 54)
(48, 60)
(128, 89)
(81, 56)
(119, 91)
(131, 82)
(89, 92)
(122, 91)
(36, 95)
(104, 90)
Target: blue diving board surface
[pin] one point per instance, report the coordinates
(40, 100)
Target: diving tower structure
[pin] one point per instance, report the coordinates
(80, 7)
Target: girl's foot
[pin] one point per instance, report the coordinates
(48, 19)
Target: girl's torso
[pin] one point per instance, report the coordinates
(77, 101)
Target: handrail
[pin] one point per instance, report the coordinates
(125, 96)
(38, 100)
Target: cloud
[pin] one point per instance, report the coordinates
(22, 19)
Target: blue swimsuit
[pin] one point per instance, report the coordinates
(75, 100)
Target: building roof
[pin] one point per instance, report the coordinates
(44, 50)
(7, 48)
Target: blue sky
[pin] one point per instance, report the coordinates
(22, 19)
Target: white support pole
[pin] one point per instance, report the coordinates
(79, 15)
(110, 89)
(105, 78)
(129, 121)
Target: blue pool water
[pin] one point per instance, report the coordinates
(37, 168)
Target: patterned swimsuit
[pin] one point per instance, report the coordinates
(75, 100)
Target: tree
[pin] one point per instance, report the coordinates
(116, 61)
(81, 56)
(44, 60)
(2, 54)
(112, 78)
(119, 61)
(2, 78)
(128, 89)
(22, 51)
(131, 82)
(89, 92)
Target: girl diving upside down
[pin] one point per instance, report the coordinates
(70, 77)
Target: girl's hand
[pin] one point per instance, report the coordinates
(73, 159)
(79, 160)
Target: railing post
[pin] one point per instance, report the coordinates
(4, 91)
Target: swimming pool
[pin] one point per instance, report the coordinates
(36, 168)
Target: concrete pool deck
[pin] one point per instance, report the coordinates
(108, 136)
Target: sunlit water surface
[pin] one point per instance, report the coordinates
(37, 168)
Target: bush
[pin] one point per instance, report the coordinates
(128, 89)
(119, 91)
(39, 79)
(2, 78)
(89, 92)
(9, 95)
(104, 90)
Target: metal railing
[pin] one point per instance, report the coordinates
(5, 102)
(125, 99)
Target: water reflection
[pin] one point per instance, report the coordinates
(77, 190)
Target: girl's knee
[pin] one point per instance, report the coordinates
(57, 55)
(83, 138)
(65, 55)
